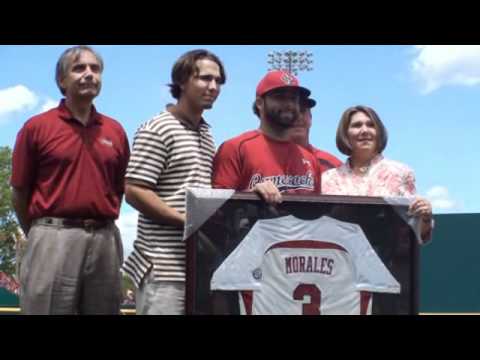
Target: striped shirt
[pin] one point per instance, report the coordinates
(170, 156)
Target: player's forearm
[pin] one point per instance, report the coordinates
(20, 200)
(149, 204)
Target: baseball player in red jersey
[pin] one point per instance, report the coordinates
(266, 160)
(300, 135)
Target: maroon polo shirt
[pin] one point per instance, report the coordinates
(73, 171)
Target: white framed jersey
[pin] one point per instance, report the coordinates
(292, 266)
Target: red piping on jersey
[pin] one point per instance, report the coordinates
(365, 298)
(306, 244)
(247, 297)
(254, 134)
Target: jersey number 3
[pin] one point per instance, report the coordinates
(313, 307)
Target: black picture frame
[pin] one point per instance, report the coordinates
(216, 228)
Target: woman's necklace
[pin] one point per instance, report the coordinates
(364, 169)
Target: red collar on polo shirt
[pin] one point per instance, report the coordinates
(66, 114)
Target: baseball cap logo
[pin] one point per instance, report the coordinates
(278, 79)
(287, 78)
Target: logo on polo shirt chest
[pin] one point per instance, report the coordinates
(106, 141)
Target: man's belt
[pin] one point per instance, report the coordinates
(73, 223)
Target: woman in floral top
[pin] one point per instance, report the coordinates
(362, 136)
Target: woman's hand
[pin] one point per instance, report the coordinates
(421, 207)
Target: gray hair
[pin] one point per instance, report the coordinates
(68, 56)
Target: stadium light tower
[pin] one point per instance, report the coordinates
(291, 61)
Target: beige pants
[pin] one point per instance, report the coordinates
(71, 271)
(160, 297)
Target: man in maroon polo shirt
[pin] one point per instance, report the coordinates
(67, 176)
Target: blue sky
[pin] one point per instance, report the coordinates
(427, 97)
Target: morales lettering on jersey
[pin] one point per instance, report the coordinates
(286, 183)
(309, 264)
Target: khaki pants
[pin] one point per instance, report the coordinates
(160, 297)
(71, 271)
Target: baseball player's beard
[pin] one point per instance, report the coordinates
(283, 118)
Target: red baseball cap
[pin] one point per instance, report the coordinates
(278, 79)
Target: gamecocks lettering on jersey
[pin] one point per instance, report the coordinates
(286, 182)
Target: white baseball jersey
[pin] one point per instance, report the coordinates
(294, 266)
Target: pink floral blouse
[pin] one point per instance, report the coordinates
(384, 177)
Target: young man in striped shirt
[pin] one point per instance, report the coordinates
(171, 152)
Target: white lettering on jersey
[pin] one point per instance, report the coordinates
(286, 182)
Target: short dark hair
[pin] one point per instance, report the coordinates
(185, 67)
(67, 57)
(343, 144)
